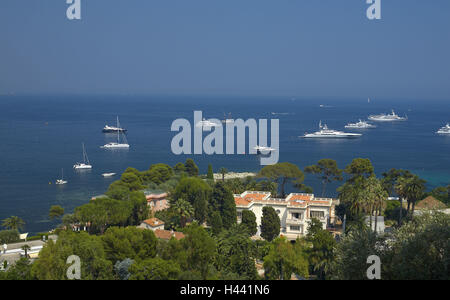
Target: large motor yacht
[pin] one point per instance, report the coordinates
(360, 125)
(113, 129)
(387, 117)
(444, 130)
(325, 132)
(118, 144)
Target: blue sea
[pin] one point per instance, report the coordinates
(42, 134)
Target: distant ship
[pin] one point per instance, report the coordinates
(387, 117)
(444, 130)
(324, 132)
(108, 174)
(263, 149)
(113, 129)
(227, 120)
(85, 164)
(206, 123)
(360, 125)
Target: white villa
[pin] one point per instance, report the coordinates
(295, 211)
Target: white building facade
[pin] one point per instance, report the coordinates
(295, 211)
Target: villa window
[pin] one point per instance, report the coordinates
(317, 214)
(294, 228)
(296, 216)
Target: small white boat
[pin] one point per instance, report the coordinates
(263, 149)
(85, 164)
(108, 174)
(61, 181)
(444, 130)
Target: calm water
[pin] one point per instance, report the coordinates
(41, 135)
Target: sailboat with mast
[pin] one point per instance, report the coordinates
(118, 144)
(85, 164)
(61, 181)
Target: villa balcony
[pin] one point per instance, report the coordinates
(295, 221)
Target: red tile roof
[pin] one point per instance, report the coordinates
(167, 234)
(154, 222)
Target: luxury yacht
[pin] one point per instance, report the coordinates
(85, 164)
(109, 129)
(360, 125)
(387, 117)
(206, 123)
(444, 130)
(324, 132)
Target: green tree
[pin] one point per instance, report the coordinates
(210, 172)
(55, 212)
(154, 269)
(249, 221)
(236, 253)
(179, 168)
(13, 223)
(283, 260)
(129, 242)
(191, 167)
(197, 192)
(184, 209)
(132, 181)
(223, 201)
(21, 270)
(327, 171)
(216, 223)
(321, 252)
(26, 248)
(223, 171)
(200, 249)
(102, 213)
(359, 168)
(283, 173)
(270, 223)
(52, 265)
(9, 236)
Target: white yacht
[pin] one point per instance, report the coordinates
(360, 125)
(61, 181)
(118, 144)
(206, 123)
(85, 164)
(444, 130)
(387, 117)
(108, 174)
(260, 149)
(109, 129)
(325, 132)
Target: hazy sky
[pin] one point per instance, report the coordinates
(301, 48)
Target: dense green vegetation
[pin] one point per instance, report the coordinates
(216, 247)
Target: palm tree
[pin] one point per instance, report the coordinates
(13, 223)
(401, 190)
(416, 189)
(26, 248)
(223, 171)
(184, 209)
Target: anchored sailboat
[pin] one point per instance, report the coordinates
(61, 181)
(85, 164)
